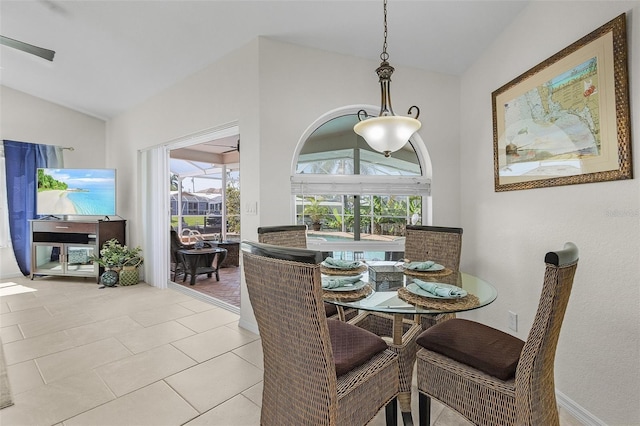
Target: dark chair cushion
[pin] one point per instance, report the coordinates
(352, 346)
(330, 309)
(484, 348)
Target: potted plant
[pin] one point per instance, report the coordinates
(316, 212)
(117, 258)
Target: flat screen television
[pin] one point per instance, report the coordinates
(82, 192)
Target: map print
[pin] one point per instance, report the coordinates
(550, 128)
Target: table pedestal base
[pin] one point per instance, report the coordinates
(400, 334)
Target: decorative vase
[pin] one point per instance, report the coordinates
(129, 273)
(109, 278)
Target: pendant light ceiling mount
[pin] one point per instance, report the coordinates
(387, 132)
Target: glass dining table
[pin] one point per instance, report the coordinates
(390, 303)
(395, 294)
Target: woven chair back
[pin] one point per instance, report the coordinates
(300, 385)
(286, 235)
(440, 244)
(535, 388)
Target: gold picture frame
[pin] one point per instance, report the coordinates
(567, 120)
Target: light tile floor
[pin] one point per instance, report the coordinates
(137, 355)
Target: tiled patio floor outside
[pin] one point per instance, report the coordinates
(227, 289)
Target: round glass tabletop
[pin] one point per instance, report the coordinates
(386, 278)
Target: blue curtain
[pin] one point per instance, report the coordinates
(22, 160)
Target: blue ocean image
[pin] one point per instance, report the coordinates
(92, 191)
(97, 201)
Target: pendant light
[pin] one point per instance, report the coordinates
(387, 132)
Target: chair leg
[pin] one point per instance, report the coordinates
(391, 412)
(424, 409)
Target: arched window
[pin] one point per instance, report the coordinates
(356, 201)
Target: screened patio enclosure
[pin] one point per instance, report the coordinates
(204, 195)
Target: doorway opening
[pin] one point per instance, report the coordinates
(205, 206)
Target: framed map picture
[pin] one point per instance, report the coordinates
(566, 120)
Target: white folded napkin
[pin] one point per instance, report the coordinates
(420, 266)
(335, 282)
(439, 290)
(346, 264)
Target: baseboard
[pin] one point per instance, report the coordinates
(10, 276)
(248, 326)
(576, 411)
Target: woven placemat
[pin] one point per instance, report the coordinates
(343, 272)
(428, 274)
(468, 302)
(348, 296)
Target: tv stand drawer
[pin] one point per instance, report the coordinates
(65, 226)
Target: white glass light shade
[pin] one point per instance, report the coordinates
(387, 133)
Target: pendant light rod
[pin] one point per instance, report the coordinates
(384, 56)
(387, 132)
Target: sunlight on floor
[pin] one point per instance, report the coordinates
(10, 288)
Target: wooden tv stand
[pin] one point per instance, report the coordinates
(63, 247)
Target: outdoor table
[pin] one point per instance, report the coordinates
(202, 261)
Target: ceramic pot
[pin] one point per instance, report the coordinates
(109, 278)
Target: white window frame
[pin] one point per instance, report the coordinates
(303, 184)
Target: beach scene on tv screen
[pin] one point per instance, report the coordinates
(76, 192)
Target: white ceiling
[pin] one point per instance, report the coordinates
(112, 55)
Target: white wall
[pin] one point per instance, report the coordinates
(508, 233)
(25, 118)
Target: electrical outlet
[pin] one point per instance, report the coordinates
(513, 321)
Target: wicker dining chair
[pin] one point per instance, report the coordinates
(317, 371)
(284, 235)
(440, 244)
(491, 377)
(296, 236)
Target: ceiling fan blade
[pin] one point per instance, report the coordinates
(29, 48)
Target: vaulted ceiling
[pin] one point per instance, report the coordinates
(112, 55)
